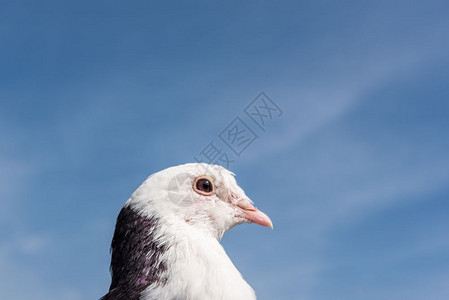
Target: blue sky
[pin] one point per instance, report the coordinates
(94, 97)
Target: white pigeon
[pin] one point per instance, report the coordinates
(166, 240)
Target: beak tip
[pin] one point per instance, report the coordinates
(257, 217)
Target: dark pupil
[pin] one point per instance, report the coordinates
(204, 185)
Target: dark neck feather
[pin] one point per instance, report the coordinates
(136, 256)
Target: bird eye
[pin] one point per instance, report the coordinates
(203, 185)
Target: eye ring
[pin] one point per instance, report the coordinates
(204, 185)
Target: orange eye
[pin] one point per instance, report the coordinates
(203, 185)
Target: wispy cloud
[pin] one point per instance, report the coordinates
(326, 97)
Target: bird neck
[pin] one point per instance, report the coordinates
(198, 266)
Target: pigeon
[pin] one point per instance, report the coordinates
(166, 243)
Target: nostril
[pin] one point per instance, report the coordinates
(233, 197)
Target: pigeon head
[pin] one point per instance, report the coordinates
(165, 243)
(205, 197)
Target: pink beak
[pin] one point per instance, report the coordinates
(254, 215)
